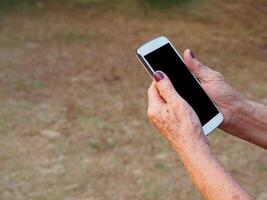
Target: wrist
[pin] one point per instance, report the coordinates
(191, 144)
(195, 154)
(240, 111)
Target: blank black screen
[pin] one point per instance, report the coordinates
(166, 59)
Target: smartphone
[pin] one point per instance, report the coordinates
(160, 54)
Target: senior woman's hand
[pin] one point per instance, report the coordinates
(179, 124)
(171, 114)
(227, 98)
(243, 118)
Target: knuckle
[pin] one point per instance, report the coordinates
(151, 113)
(201, 65)
(150, 120)
(196, 125)
(166, 89)
(218, 75)
(204, 68)
(166, 86)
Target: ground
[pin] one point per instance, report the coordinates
(73, 119)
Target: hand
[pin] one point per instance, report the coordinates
(172, 115)
(179, 124)
(229, 101)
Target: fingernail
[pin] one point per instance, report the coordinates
(158, 76)
(192, 54)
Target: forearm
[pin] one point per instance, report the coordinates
(250, 123)
(208, 174)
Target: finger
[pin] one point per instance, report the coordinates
(197, 68)
(154, 98)
(165, 87)
(155, 101)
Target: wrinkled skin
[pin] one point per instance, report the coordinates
(174, 117)
(225, 97)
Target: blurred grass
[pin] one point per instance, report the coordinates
(29, 85)
(63, 70)
(158, 4)
(4, 4)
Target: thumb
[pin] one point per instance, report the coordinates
(199, 70)
(165, 87)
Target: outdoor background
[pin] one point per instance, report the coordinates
(73, 122)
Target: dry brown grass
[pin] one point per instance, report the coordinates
(73, 71)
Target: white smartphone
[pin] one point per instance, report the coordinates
(159, 54)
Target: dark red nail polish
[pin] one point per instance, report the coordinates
(158, 76)
(192, 54)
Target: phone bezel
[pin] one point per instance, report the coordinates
(157, 43)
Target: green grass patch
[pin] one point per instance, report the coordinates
(2, 124)
(164, 4)
(4, 4)
(29, 85)
(160, 166)
(70, 37)
(92, 3)
(36, 85)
